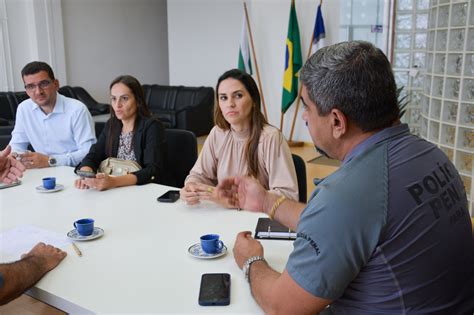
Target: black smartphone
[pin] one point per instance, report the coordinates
(15, 183)
(215, 289)
(85, 174)
(169, 196)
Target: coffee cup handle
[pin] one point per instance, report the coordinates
(74, 225)
(220, 245)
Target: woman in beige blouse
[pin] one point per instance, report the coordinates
(241, 143)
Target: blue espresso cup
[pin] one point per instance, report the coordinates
(49, 182)
(211, 244)
(84, 227)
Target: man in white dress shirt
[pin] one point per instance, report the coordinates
(60, 129)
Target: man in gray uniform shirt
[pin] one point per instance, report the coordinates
(389, 232)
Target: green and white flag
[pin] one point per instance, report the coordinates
(244, 51)
(293, 61)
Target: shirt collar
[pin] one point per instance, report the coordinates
(377, 138)
(58, 107)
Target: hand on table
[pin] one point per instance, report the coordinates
(246, 246)
(48, 256)
(190, 194)
(246, 192)
(10, 169)
(80, 183)
(101, 182)
(193, 193)
(34, 160)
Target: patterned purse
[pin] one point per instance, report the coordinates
(118, 167)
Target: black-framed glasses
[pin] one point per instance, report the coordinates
(42, 85)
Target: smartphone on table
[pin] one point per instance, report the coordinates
(15, 183)
(169, 196)
(215, 289)
(85, 174)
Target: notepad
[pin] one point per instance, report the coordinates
(22, 238)
(269, 229)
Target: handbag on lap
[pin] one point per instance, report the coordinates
(118, 167)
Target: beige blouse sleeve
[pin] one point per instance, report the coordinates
(278, 163)
(205, 169)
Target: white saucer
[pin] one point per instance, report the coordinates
(41, 189)
(196, 251)
(74, 235)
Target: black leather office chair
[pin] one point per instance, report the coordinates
(181, 154)
(4, 141)
(99, 126)
(300, 167)
(472, 222)
(81, 94)
(9, 102)
(182, 107)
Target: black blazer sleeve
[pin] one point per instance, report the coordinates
(150, 152)
(97, 151)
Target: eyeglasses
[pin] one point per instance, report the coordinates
(42, 85)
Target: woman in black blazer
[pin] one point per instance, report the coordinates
(131, 133)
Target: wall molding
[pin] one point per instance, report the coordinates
(41, 37)
(6, 71)
(48, 32)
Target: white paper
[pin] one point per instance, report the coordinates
(21, 239)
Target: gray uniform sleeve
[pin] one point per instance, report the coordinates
(340, 227)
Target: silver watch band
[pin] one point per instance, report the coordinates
(248, 263)
(52, 161)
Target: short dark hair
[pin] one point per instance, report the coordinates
(36, 66)
(356, 78)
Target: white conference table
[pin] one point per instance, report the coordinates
(141, 264)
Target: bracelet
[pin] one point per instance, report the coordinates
(275, 206)
(248, 263)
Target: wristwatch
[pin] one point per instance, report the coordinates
(248, 262)
(52, 161)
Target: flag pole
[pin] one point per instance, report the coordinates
(255, 61)
(292, 143)
(281, 121)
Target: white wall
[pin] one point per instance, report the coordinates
(34, 33)
(204, 41)
(198, 40)
(107, 38)
(86, 42)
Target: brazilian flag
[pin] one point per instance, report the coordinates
(293, 61)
